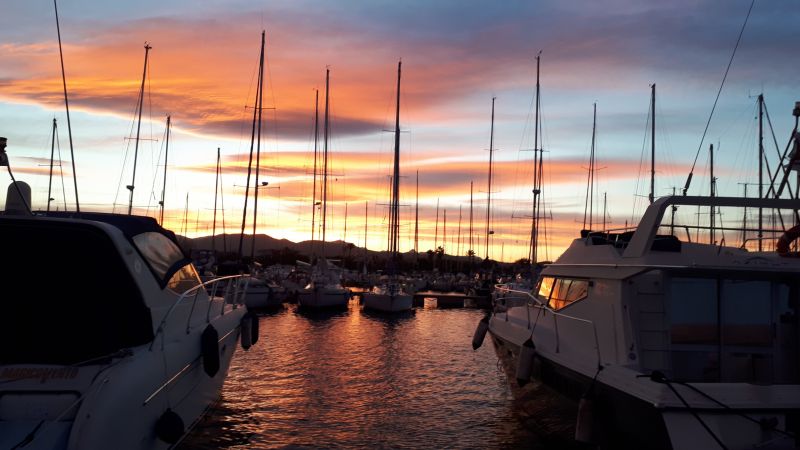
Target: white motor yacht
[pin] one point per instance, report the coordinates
(111, 340)
(662, 343)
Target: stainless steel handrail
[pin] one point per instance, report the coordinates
(238, 299)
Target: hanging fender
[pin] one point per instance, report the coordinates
(785, 241)
(169, 427)
(246, 335)
(527, 352)
(253, 328)
(480, 333)
(209, 348)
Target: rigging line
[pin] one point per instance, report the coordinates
(641, 162)
(66, 105)
(730, 62)
(127, 150)
(155, 178)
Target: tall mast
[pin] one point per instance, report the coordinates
(259, 109)
(66, 105)
(538, 156)
(436, 232)
(366, 220)
(760, 168)
(326, 130)
(458, 241)
(216, 190)
(712, 192)
(416, 220)
(489, 191)
(652, 195)
(394, 221)
(132, 186)
(164, 186)
(256, 109)
(590, 177)
(52, 154)
(314, 185)
(471, 246)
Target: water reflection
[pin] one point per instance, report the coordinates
(357, 379)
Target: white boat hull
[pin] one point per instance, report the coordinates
(387, 302)
(323, 297)
(117, 404)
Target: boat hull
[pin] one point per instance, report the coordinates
(623, 420)
(387, 302)
(323, 298)
(134, 390)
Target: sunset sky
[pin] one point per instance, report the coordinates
(456, 56)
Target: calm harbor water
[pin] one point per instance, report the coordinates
(356, 380)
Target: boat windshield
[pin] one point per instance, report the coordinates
(167, 261)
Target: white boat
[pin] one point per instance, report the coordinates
(131, 360)
(661, 343)
(324, 290)
(262, 294)
(389, 298)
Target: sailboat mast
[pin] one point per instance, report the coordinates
(652, 195)
(216, 191)
(258, 146)
(760, 168)
(326, 130)
(436, 230)
(132, 186)
(52, 154)
(366, 220)
(537, 157)
(590, 177)
(66, 105)
(711, 218)
(164, 186)
(314, 185)
(416, 220)
(471, 246)
(394, 221)
(256, 109)
(489, 190)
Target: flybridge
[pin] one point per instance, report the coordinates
(651, 222)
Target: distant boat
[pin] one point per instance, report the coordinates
(390, 296)
(130, 360)
(325, 289)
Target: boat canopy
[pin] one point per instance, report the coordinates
(68, 295)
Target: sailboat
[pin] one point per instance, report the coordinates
(325, 289)
(391, 297)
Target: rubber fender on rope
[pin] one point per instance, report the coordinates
(210, 349)
(480, 333)
(246, 335)
(169, 427)
(525, 362)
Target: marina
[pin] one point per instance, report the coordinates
(585, 293)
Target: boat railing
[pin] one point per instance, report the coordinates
(534, 302)
(233, 289)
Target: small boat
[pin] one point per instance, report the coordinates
(130, 360)
(390, 297)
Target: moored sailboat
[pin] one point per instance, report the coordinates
(390, 297)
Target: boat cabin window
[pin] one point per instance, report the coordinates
(167, 260)
(558, 293)
(734, 330)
